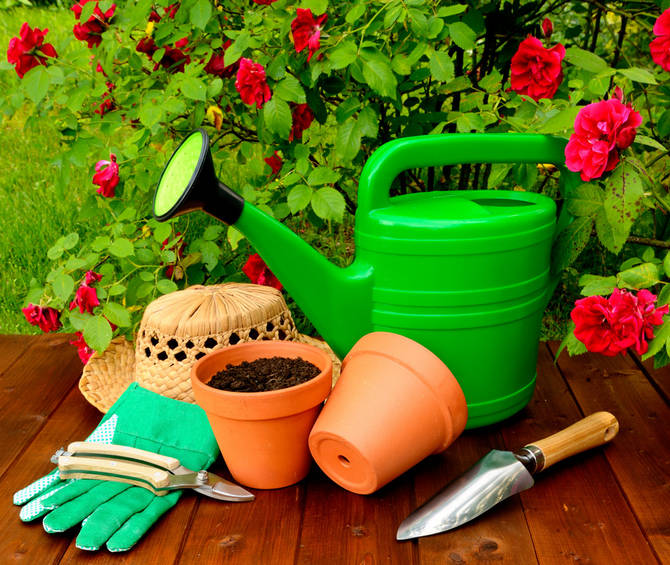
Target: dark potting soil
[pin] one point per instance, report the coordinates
(266, 373)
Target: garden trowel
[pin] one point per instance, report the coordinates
(500, 474)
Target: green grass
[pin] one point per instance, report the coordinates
(32, 213)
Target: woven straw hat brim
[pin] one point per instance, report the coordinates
(107, 375)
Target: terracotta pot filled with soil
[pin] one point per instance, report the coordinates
(262, 403)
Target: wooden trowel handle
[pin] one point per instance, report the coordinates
(592, 431)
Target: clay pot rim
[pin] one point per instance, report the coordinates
(280, 402)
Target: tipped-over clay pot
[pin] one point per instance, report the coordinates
(394, 404)
(263, 435)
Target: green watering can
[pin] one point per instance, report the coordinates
(464, 273)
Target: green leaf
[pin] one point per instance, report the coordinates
(322, 175)
(664, 295)
(368, 122)
(380, 77)
(36, 82)
(462, 35)
(121, 248)
(641, 276)
(610, 235)
(116, 290)
(162, 232)
(63, 285)
(328, 203)
(194, 88)
(200, 13)
(234, 237)
(56, 251)
(355, 13)
(469, 121)
(571, 242)
(441, 66)
(663, 125)
(318, 7)
(347, 140)
(117, 314)
(562, 121)
(97, 333)
(299, 198)
(277, 116)
(150, 113)
(212, 232)
(166, 286)
(660, 341)
(236, 48)
(343, 55)
(498, 173)
(290, 90)
(666, 264)
(649, 142)
(453, 10)
(585, 199)
(70, 240)
(638, 75)
(585, 60)
(624, 203)
(597, 285)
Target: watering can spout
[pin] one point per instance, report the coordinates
(327, 294)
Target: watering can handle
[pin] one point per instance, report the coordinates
(392, 158)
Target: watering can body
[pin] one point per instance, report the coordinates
(464, 273)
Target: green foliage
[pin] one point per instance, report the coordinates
(383, 70)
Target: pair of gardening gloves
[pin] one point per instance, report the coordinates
(118, 514)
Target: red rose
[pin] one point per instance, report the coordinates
(179, 246)
(307, 31)
(83, 349)
(29, 50)
(258, 272)
(92, 277)
(170, 12)
(601, 130)
(302, 117)
(91, 30)
(536, 71)
(48, 319)
(146, 45)
(251, 84)
(547, 27)
(275, 162)
(216, 65)
(610, 326)
(264, 2)
(86, 299)
(660, 45)
(106, 176)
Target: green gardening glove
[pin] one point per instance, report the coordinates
(118, 514)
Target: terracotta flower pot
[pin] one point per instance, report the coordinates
(394, 404)
(263, 435)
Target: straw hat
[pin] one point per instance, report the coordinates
(179, 328)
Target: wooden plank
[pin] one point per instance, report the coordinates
(265, 530)
(29, 542)
(32, 388)
(340, 527)
(576, 510)
(660, 378)
(640, 455)
(12, 347)
(501, 535)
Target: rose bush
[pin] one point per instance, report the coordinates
(296, 96)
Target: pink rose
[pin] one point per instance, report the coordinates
(106, 176)
(258, 272)
(47, 319)
(302, 117)
(536, 71)
(660, 45)
(601, 130)
(28, 50)
(307, 31)
(251, 84)
(91, 278)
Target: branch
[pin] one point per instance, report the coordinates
(649, 241)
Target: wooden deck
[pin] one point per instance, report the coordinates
(608, 506)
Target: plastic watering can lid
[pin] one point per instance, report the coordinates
(459, 214)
